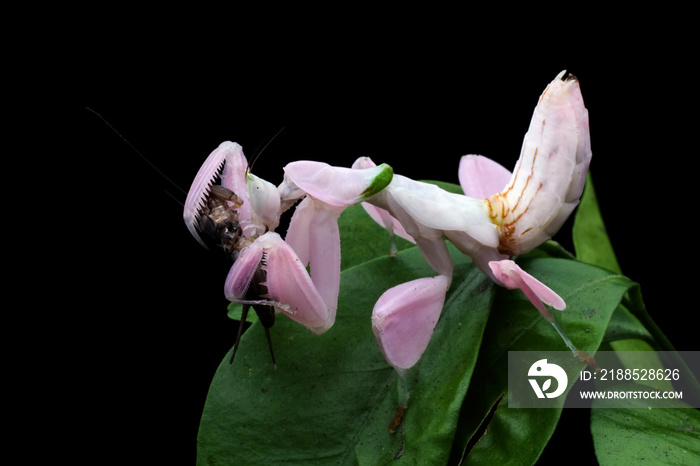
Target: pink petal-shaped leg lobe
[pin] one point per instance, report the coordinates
(288, 282)
(481, 177)
(512, 276)
(289, 287)
(242, 271)
(404, 319)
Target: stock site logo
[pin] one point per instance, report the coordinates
(542, 369)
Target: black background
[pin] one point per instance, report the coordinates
(150, 306)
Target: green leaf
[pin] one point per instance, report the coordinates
(332, 397)
(439, 382)
(591, 295)
(235, 312)
(648, 436)
(624, 326)
(590, 237)
(592, 245)
(624, 436)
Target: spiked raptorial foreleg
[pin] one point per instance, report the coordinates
(288, 285)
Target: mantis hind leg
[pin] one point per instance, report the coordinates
(241, 324)
(269, 345)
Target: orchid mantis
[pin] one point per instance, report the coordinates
(501, 214)
(268, 273)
